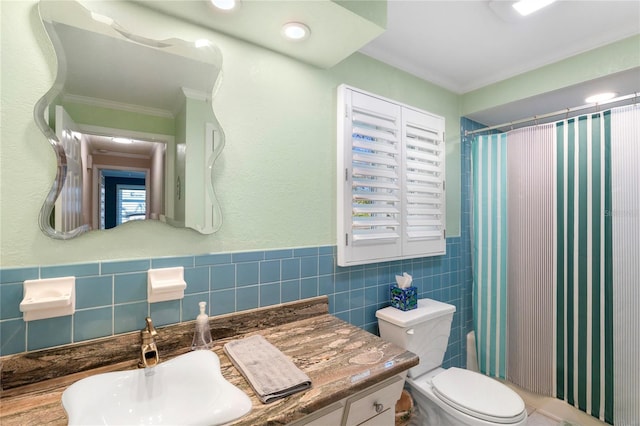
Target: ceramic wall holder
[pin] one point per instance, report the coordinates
(48, 298)
(165, 284)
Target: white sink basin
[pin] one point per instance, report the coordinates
(186, 390)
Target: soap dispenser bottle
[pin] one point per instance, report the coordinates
(202, 335)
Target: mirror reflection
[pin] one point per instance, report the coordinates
(122, 180)
(132, 125)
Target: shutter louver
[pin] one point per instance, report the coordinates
(423, 181)
(375, 161)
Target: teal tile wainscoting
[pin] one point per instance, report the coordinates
(111, 296)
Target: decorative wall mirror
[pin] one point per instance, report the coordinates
(116, 86)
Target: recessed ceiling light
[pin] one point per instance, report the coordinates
(600, 97)
(295, 31)
(224, 4)
(527, 7)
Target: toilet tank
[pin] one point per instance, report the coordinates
(423, 331)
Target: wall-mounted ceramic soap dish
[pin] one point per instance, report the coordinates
(48, 298)
(165, 284)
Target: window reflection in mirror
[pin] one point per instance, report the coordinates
(122, 179)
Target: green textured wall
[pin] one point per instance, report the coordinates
(275, 178)
(610, 59)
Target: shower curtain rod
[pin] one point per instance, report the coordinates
(553, 114)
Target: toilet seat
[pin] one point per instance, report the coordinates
(478, 396)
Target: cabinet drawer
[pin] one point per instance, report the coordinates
(330, 415)
(386, 418)
(373, 401)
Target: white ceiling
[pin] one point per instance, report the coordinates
(456, 44)
(461, 45)
(465, 45)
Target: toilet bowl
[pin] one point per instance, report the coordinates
(446, 397)
(472, 399)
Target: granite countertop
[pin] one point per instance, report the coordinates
(340, 359)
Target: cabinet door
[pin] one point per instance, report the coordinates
(331, 415)
(369, 179)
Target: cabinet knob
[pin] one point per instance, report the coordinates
(379, 407)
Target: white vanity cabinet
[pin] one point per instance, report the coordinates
(374, 406)
(331, 415)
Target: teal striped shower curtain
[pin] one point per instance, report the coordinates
(584, 285)
(489, 155)
(576, 282)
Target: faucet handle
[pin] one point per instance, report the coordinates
(149, 327)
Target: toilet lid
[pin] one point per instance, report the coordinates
(478, 396)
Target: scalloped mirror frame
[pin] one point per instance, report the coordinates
(199, 211)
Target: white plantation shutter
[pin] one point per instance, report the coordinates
(370, 181)
(423, 184)
(390, 180)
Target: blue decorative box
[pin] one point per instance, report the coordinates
(404, 299)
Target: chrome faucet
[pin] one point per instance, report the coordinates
(148, 350)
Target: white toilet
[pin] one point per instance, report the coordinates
(446, 397)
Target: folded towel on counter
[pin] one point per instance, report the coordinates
(271, 373)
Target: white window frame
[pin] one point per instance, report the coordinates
(390, 180)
